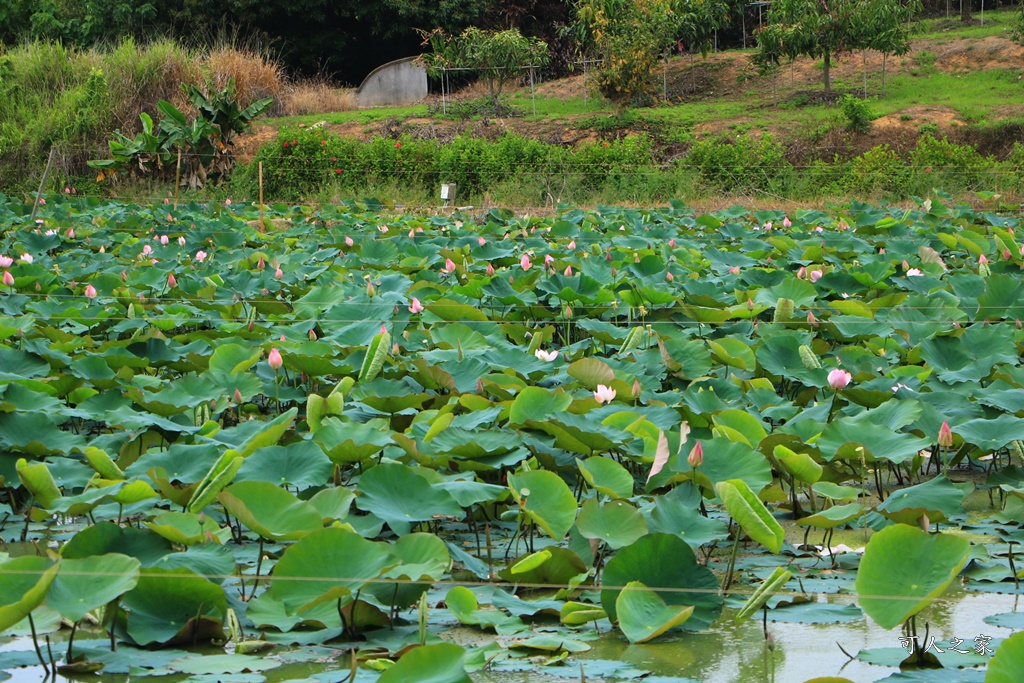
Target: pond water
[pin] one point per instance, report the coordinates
(724, 654)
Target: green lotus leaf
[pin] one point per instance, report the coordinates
(440, 663)
(750, 513)
(545, 500)
(768, 588)
(643, 615)
(24, 582)
(329, 565)
(904, 570)
(399, 496)
(270, 511)
(185, 528)
(465, 607)
(174, 605)
(835, 516)
(83, 585)
(1008, 661)
(938, 499)
(108, 537)
(301, 464)
(606, 476)
(350, 442)
(616, 522)
(664, 561)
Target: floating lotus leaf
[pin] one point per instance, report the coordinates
(905, 569)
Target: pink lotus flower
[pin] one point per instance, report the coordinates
(181, 240)
(819, 229)
(348, 241)
(490, 269)
(42, 201)
(914, 272)
(816, 275)
(572, 244)
(416, 306)
(8, 278)
(568, 271)
(945, 439)
(147, 250)
(90, 292)
(604, 394)
(982, 260)
(696, 456)
(279, 273)
(672, 243)
(6, 261)
(786, 223)
(27, 258)
(449, 265)
(171, 281)
(164, 240)
(382, 228)
(546, 356)
(201, 256)
(768, 225)
(227, 202)
(481, 241)
(525, 262)
(548, 259)
(70, 234)
(735, 270)
(838, 379)
(802, 273)
(274, 359)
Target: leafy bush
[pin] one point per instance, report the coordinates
(858, 115)
(941, 163)
(878, 169)
(742, 164)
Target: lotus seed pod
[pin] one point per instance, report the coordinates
(808, 357)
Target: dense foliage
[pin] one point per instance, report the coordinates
(321, 427)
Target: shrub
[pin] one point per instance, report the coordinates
(858, 116)
(743, 164)
(941, 163)
(878, 169)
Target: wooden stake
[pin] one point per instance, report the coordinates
(42, 183)
(177, 180)
(261, 195)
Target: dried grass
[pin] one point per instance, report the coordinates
(256, 75)
(316, 97)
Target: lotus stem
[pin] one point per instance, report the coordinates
(732, 563)
(35, 644)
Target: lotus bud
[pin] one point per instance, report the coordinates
(568, 311)
(490, 269)
(238, 396)
(810, 360)
(696, 456)
(124, 276)
(449, 265)
(90, 291)
(906, 266)
(481, 241)
(479, 386)
(1006, 254)
(608, 256)
(786, 223)
(251, 326)
(636, 388)
(568, 271)
(750, 304)
(511, 279)
(395, 350)
(924, 523)
(669, 277)
(838, 379)
(8, 279)
(672, 244)
(370, 289)
(348, 241)
(802, 273)
(274, 359)
(811, 320)
(572, 244)
(525, 262)
(261, 264)
(945, 439)
(383, 329)
(982, 259)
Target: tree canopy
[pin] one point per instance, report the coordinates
(820, 28)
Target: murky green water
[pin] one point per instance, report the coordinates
(725, 654)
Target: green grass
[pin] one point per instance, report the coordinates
(353, 115)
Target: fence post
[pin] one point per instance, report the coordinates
(42, 183)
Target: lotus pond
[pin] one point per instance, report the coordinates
(335, 444)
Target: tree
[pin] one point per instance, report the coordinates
(496, 56)
(630, 35)
(823, 28)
